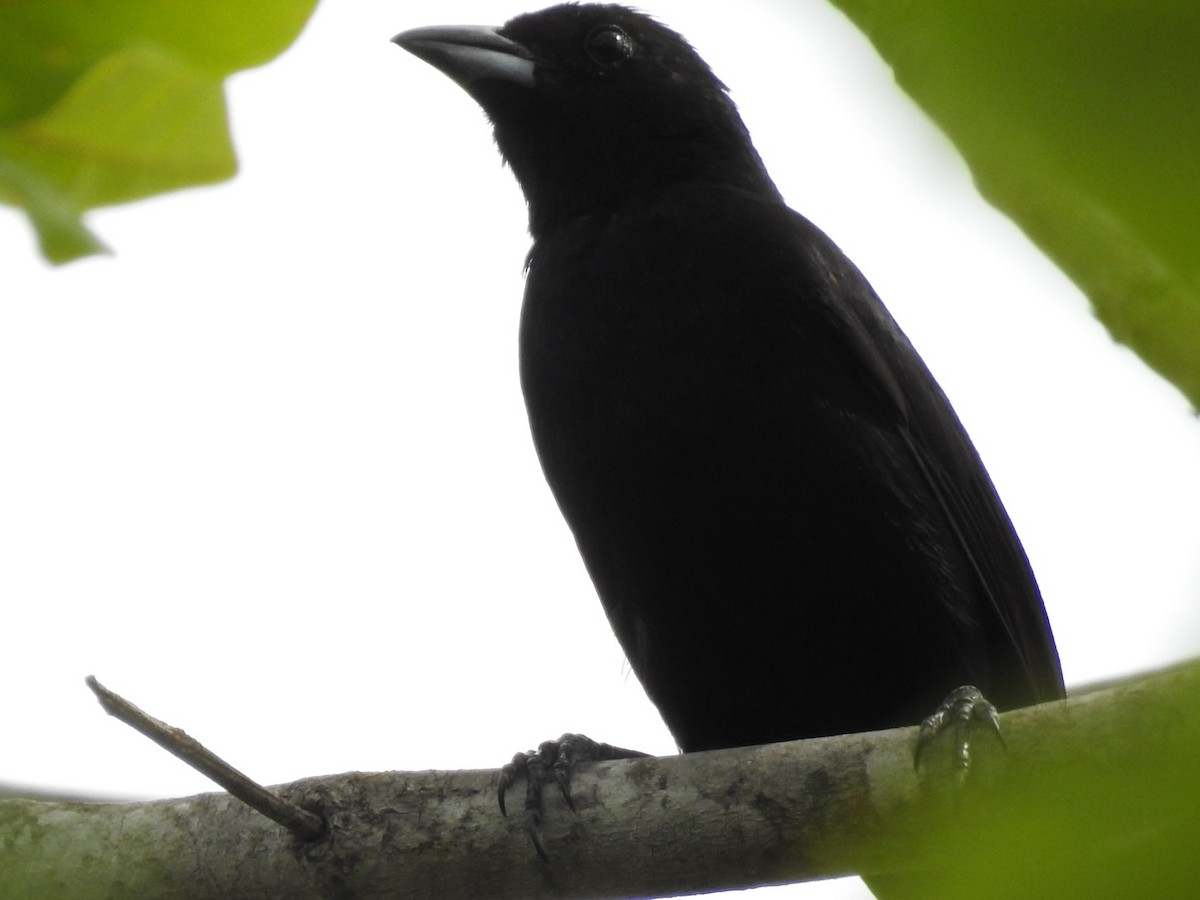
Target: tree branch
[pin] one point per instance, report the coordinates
(180, 744)
(1100, 779)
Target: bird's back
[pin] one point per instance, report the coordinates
(789, 530)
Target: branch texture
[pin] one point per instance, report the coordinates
(1085, 786)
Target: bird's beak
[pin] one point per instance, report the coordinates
(470, 53)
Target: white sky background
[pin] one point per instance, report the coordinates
(266, 471)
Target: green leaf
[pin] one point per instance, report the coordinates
(1081, 121)
(106, 102)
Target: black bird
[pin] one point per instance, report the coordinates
(790, 531)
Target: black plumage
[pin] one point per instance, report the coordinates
(789, 529)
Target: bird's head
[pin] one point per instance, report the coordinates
(593, 105)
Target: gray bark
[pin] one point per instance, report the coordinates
(1103, 779)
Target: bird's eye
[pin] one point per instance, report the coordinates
(608, 45)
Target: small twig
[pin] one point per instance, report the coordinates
(297, 820)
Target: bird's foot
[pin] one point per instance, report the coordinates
(552, 760)
(962, 711)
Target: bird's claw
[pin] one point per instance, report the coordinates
(962, 710)
(551, 760)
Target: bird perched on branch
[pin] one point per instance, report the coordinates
(790, 531)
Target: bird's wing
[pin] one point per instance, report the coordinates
(947, 461)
